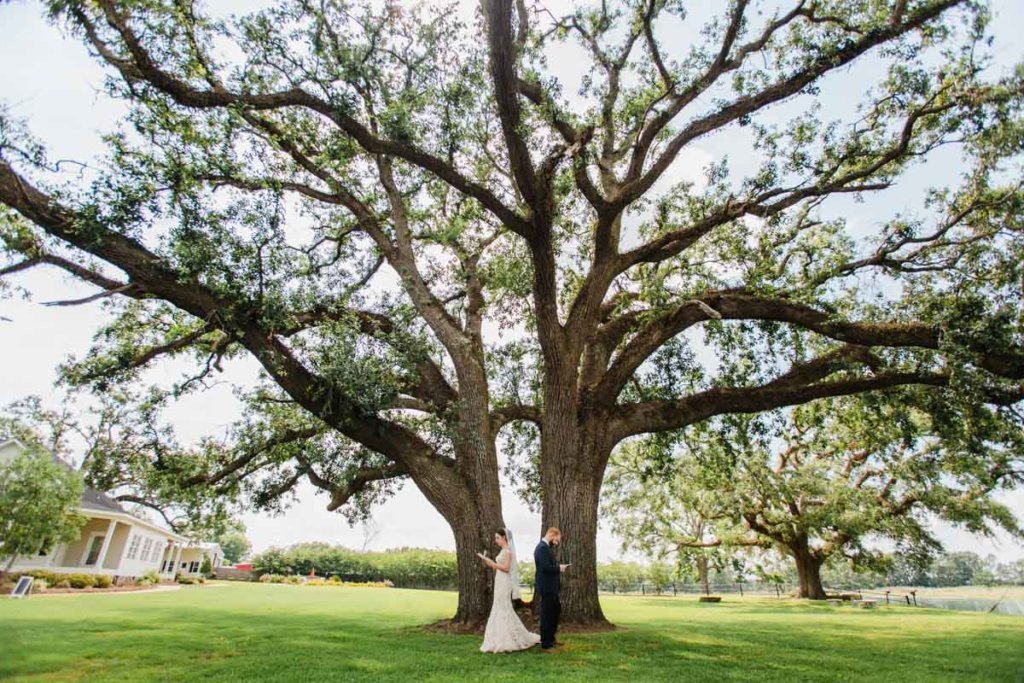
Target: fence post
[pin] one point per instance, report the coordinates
(674, 593)
(887, 597)
(642, 591)
(908, 599)
(778, 593)
(741, 589)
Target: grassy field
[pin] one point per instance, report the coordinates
(252, 632)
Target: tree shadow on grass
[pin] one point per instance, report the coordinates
(339, 639)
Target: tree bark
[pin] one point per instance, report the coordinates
(573, 455)
(808, 569)
(702, 574)
(474, 514)
(476, 580)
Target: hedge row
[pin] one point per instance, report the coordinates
(406, 567)
(54, 580)
(419, 568)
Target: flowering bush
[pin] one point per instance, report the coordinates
(351, 584)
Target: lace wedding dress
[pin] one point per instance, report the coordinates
(505, 632)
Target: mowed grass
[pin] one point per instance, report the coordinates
(252, 632)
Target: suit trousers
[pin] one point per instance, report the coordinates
(550, 611)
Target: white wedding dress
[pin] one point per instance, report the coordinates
(505, 632)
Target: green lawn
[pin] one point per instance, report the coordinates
(251, 632)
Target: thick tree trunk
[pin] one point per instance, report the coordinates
(572, 507)
(808, 569)
(476, 580)
(573, 461)
(702, 574)
(476, 515)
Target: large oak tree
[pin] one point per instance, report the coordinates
(835, 478)
(363, 197)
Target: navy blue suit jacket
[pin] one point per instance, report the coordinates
(549, 574)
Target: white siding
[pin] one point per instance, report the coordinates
(149, 546)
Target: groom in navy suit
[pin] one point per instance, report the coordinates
(549, 582)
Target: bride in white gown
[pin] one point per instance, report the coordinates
(505, 632)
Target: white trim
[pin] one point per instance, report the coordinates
(18, 442)
(83, 561)
(111, 528)
(130, 519)
(55, 552)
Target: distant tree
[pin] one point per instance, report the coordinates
(235, 545)
(957, 569)
(908, 570)
(821, 480)
(619, 576)
(39, 501)
(1011, 572)
(271, 561)
(666, 516)
(660, 575)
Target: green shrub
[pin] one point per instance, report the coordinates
(81, 580)
(62, 583)
(41, 574)
(265, 578)
(294, 579)
(186, 580)
(405, 567)
(104, 581)
(149, 578)
(276, 578)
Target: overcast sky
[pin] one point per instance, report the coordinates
(49, 81)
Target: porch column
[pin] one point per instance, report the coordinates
(165, 556)
(177, 560)
(58, 551)
(168, 567)
(168, 558)
(106, 544)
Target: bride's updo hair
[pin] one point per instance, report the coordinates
(501, 532)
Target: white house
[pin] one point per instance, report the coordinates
(115, 542)
(192, 557)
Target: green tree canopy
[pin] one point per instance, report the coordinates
(39, 499)
(234, 543)
(363, 196)
(124, 448)
(828, 479)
